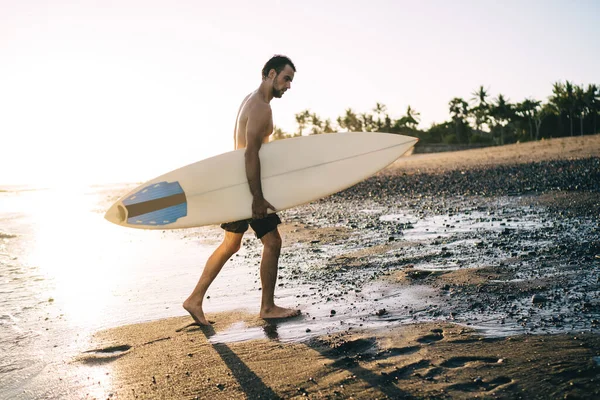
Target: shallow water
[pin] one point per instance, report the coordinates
(353, 311)
(65, 273)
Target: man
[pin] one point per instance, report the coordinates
(253, 126)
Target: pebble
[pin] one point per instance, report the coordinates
(537, 299)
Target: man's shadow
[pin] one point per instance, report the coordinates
(251, 384)
(255, 388)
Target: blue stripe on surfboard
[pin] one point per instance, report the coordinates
(153, 192)
(161, 217)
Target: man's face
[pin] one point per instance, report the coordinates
(283, 81)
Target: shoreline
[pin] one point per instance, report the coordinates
(468, 226)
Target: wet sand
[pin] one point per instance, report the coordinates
(536, 294)
(436, 360)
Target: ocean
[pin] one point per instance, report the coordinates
(65, 273)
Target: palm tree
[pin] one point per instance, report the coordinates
(571, 102)
(412, 117)
(563, 99)
(350, 121)
(367, 122)
(539, 114)
(379, 111)
(556, 102)
(388, 123)
(480, 95)
(592, 103)
(481, 109)
(410, 120)
(580, 106)
(327, 128)
(458, 110)
(317, 124)
(527, 110)
(278, 133)
(302, 118)
(502, 112)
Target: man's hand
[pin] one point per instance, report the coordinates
(260, 207)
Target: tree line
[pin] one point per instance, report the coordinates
(570, 110)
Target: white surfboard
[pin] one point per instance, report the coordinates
(293, 172)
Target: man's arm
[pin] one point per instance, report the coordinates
(256, 131)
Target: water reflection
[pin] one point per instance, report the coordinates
(77, 251)
(65, 273)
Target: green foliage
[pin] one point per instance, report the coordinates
(302, 119)
(437, 132)
(451, 139)
(459, 110)
(312, 124)
(279, 134)
(350, 121)
(569, 110)
(480, 139)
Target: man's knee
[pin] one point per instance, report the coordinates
(272, 240)
(232, 244)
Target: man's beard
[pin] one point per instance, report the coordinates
(277, 93)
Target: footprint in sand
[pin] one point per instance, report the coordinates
(457, 362)
(396, 351)
(435, 336)
(104, 355)
(194, 326)
(353, 347)
(352, 351)
(407, 370)
(481, 385)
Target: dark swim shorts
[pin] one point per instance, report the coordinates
(260, 226)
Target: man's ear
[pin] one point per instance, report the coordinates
(272, 73)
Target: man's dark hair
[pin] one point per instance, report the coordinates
(278, 63)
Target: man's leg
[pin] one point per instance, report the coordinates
(268, 276)
(193, 304)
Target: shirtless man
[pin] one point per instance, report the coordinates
(253, 126)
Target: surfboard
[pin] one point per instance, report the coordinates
(293, 172)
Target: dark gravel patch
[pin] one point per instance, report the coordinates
(537, 223)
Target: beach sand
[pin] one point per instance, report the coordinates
(441, 359)
(544, 150)
(436, 360)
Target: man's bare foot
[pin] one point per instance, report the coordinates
(278, 312)
(196, 312)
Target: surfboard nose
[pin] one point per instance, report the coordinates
(117, 214)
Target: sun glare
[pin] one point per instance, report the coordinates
(72, 248)
(90, 119)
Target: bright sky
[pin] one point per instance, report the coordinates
(124, 90)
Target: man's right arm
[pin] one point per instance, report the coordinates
(256, 130)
